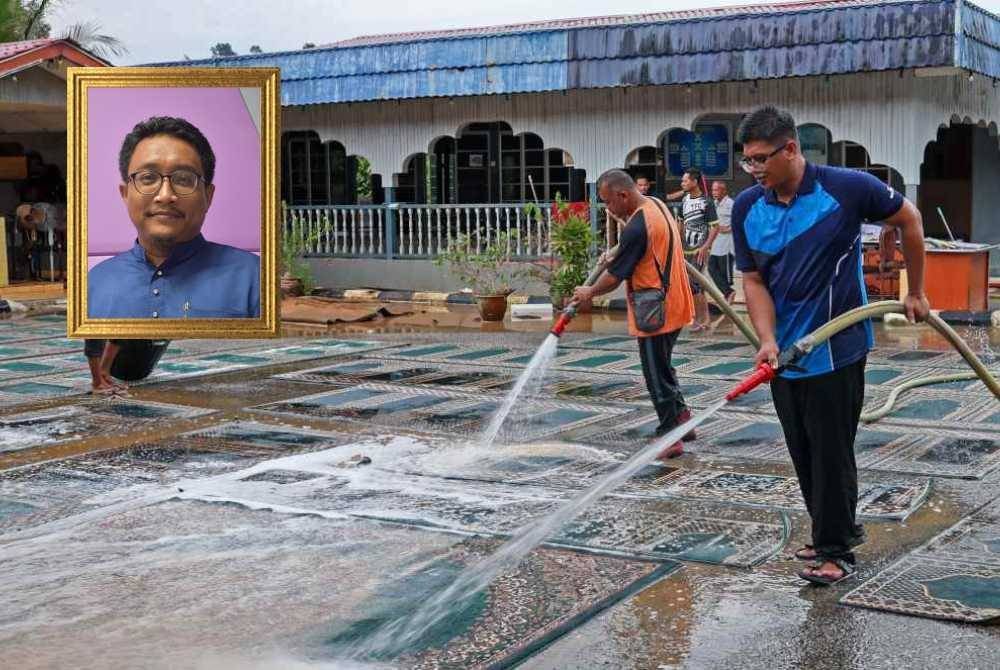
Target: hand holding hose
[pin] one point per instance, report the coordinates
(582, 294)
(768, 353)
(917, 307)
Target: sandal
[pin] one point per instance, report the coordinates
(812, 574)
(806, 553)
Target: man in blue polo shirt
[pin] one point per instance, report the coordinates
(167, 168)
(797, 237)
(172, 271)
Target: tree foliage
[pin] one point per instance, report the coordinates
(222, 49)
(29, 20)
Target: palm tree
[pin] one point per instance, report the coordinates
(89, 36)
(26, 20)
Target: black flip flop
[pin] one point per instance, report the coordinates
(847, 571)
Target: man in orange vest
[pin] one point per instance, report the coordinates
(644, 252)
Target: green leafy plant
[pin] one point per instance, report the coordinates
(296, 241)
(489, 271)
(572, 241)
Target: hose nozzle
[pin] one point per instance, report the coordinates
(564, 318)
(764, 373)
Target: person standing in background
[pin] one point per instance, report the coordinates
(720, 242)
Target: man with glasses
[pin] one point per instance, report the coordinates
(797, 237)
(172, 271)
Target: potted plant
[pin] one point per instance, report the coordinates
(572, 242)
(296, 275)
(489, 272)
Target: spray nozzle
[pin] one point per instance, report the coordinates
(564, 318)
(764, 373)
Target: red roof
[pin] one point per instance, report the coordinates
(17, 56)
(605, 21)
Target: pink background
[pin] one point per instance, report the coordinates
(221, 115)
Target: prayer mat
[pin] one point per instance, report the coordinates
(221, 584)
(955, 576)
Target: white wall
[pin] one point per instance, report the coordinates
(893, 117)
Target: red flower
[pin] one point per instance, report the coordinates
(578, 209)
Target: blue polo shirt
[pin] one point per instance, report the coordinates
(808, 253)
(199, 280)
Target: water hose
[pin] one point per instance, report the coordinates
(825, 332)
(567, 314)
(709, 286)
(847, 319)
(890, 402)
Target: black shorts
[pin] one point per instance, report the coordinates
(720, 268)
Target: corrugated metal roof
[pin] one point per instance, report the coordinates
(605, 21)
(727, 44)
(8, 49)
(16, 56)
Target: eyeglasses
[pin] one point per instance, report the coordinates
(748, 162)
(148, 182)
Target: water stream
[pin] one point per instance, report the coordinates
(536, 368)
(401, 634)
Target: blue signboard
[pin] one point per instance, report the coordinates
(707, 148)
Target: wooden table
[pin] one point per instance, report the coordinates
(958, 279)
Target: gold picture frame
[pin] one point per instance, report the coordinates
(80, 81)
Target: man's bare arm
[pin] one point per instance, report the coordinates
(911, 230)
(760, 306)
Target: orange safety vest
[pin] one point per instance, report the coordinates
(679, 304)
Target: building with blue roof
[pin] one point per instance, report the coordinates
(905, 89)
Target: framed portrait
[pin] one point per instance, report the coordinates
(172, 208)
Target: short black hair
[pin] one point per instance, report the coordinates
(641, 176)
(767, 124)
(173, 126)
(694, 173)
(616, 180)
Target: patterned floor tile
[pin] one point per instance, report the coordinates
(875, 501)
(441, 410)
(225, 554)
(20, 392)
(85, 420)
(886, 446)
(255, 434)
(955, 576)
(680, 530)
(405, 372)
(636, 527)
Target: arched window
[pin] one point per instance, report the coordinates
(487, 163)
(318, 173)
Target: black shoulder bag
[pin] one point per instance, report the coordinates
(648, 303)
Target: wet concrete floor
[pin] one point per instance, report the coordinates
(703, 616)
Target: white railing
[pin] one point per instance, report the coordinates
(417, 231)
(427, 230)
(339, 230)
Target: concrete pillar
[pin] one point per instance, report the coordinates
(390, 221)
(594, 212)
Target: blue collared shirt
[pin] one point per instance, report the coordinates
(199, 280)
(808, 253)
